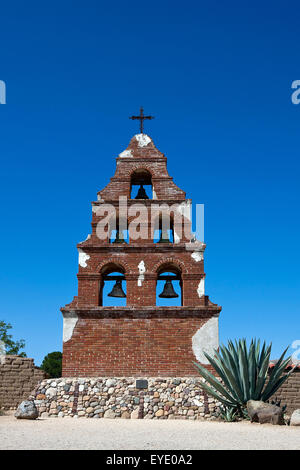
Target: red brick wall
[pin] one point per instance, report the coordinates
(89, 278)
(132, 341)
(144, 343)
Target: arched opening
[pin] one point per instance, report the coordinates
(118, 231)
(169, 287)
(164, 229)
(112, 287)
(141, 185)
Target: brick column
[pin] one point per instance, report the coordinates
(140, 292)
(88, 288)
(193, 291)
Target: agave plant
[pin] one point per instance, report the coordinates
(228, 413)
(243, 373)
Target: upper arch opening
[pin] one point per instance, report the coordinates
(169, 286)
(141, 184)
(112, 286)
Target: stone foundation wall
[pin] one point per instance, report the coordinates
(18, 377)
(164, 398)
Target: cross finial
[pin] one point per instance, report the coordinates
(141, 117)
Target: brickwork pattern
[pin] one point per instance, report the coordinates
(131, 346)
(289, 392)
(134, 341)
(18, 378)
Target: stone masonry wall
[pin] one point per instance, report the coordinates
(18, 377)
(164, 398)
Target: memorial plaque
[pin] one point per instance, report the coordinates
(141, 383)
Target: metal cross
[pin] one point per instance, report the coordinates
(141, 117)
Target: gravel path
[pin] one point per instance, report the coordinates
(118, 434)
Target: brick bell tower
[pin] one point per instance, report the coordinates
(139, 251)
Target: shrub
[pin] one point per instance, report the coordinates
(52, 364)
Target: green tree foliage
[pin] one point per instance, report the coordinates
(244, 373)
(52, 364)
(11, 347)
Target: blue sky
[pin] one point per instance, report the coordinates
(217, 76)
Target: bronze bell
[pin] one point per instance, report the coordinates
(119, 237)
(168, 291)
(164, 237)
(141, 193)
(117, 290)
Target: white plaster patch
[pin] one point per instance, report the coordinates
(195, 245)
(197, 256)
(143, 140)
(206, 339)
(69, 325)
(154, 196)
(201, 288)
(82, 258)
(185, 209)
(142, 270)
(126, 153)
(176, 237)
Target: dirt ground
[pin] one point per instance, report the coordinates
(119, 434)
